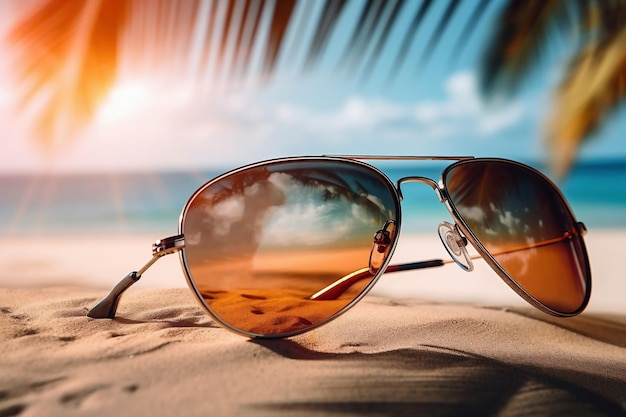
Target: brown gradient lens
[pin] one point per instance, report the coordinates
(261, 241)
(523, 221)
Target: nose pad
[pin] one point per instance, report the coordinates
(381, 246)
(455, 245)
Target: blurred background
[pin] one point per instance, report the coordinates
(114, 111)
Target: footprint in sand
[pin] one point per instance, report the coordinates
(15, 399)
(13, 410)
(21, 390)
(75, 399)
(20, 320)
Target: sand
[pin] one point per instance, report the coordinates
(436, 342)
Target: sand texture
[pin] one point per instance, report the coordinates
(163, 356)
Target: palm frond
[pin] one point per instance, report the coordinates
(67, 57)
(68, 53)
(594, 86)
(410, 33)
(324, 29)
(392, 11)
(594, 83)
(278, 27)
(469, 27)
(519, 39)
(441, 27)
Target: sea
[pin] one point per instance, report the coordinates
(151, 202)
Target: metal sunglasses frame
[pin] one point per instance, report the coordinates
(454, 238)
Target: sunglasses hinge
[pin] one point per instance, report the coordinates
(168, 245)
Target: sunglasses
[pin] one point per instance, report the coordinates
(280, 247)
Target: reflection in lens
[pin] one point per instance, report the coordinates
(521, 219)
(261, 241)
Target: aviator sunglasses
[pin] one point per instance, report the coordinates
(280, 247)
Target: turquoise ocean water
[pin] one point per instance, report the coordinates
(150, 203)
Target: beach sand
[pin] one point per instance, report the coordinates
(432, 342)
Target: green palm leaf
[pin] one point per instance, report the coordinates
(594, 86)
(593, 83)
(518, 41)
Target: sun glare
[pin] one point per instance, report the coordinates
(123, 101)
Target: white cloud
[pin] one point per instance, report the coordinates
(498, 120)
(460, 111)
(355, 114)
(462, 101)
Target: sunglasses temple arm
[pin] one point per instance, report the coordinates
(107, 307)
(334, 290)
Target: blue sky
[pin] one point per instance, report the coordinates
(156, 118)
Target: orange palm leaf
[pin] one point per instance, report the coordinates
(67, 58)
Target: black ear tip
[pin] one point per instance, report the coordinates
(103, 310)
(107, 307)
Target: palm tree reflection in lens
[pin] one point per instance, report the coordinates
(509, 206)
(260, 242)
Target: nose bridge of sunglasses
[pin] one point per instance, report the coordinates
(424, 180)
(455, 245)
